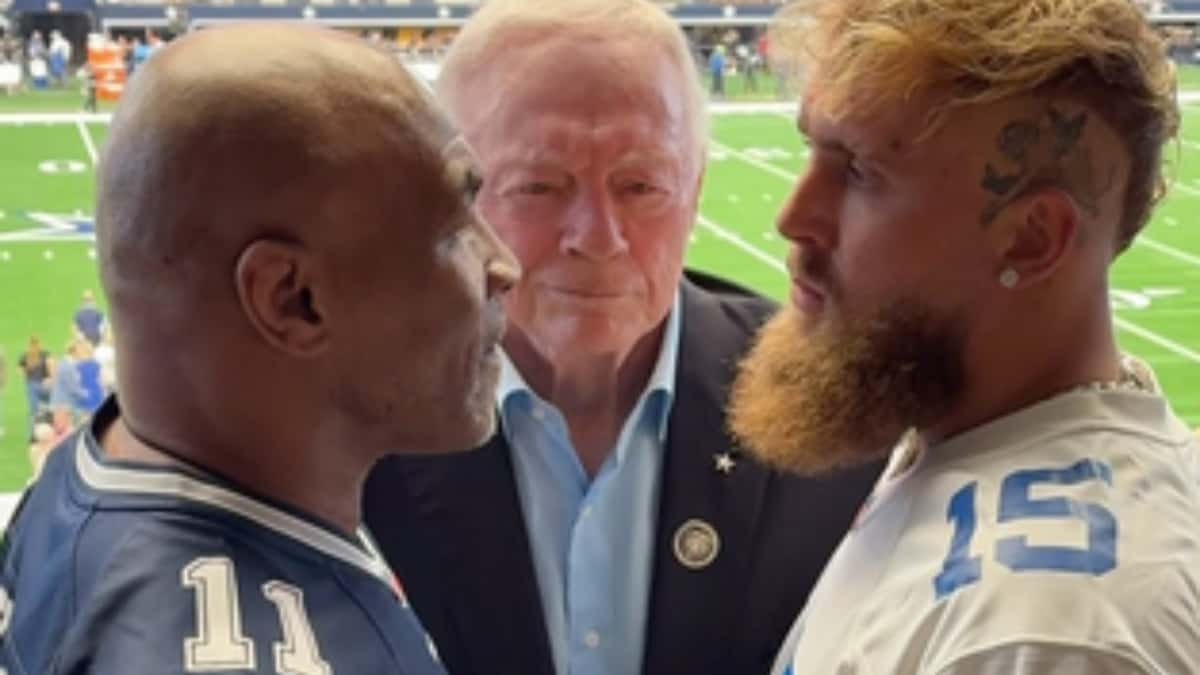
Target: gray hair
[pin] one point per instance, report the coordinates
(499, 27)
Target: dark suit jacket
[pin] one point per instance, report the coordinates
(452, 529)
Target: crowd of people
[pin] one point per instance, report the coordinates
(63, 390)
(419, 383)
(35, 62)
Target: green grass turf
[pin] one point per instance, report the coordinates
(752, 161)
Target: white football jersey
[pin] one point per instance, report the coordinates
(1063, 539)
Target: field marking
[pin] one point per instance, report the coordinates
(770, 168)
(1124, 324)
(1151, 336)
(20, 119)
(1165, 249)
(733, 238)
(1191, 191)
(87, 141)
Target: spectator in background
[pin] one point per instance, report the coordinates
(66, 388)
(10, 74)
(142, 51)
(716, 69)
(36, 47)
(90, 380)
(38, 367)
(60, 57)
(137, 55)
(38, 73)
(89, 320)
(748, 64)
(126, 54)
(89, 87)
(106, 356)
(44, 438)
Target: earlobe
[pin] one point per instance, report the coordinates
(277, 291)
(1035, 243)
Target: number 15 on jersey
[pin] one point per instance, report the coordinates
(1016, 506)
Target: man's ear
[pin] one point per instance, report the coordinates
(278, 291)
(1034, 235)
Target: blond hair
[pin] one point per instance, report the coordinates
(501, 27)
(872, 54)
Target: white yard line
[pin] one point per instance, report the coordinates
(1166, 249)
(1180, 185)
(757, 163)
(87, 141)
(53, 118)
(733, 238)
(1151, 336)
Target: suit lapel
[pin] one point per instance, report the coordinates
(496, 606)
(689, 629)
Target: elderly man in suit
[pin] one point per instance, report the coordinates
(611, 526)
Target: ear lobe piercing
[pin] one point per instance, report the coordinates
(1009, 278)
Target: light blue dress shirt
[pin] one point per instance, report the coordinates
(592, 541)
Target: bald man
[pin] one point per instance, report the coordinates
(296, 283)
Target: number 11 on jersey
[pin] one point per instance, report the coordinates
(221, 646)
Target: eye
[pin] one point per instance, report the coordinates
(534, 188)
(640, 188)
(858, 172)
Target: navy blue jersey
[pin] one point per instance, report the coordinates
(118, 568)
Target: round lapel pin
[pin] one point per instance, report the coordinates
(696, 544)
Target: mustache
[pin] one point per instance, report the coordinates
(808, 265)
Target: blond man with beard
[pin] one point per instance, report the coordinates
(976, 168)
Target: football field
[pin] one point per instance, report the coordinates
(47, 255)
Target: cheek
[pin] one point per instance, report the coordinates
(658, 250)
(531, 239)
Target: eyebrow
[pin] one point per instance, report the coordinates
(885, 157)
(655, 156)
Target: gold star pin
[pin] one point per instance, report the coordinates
(725, 462)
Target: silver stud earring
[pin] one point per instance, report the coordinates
(1009, 278)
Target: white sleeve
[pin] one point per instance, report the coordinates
(783, 660)
(1034, 658)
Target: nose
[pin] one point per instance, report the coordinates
(500, 264)
(809, 216)
(593, 229)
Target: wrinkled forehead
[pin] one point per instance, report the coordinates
(555, 90)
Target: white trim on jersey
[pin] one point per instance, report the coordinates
(174, 484)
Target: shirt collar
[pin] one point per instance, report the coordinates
(662, 379)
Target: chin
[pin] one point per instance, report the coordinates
(594, 337)
(474, 427)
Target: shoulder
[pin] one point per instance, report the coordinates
(92, 586)
(1033, 657)
(713, 303)
(142, 593)
(1025, 610)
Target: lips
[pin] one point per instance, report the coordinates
(806, 298)
(808, 293)
(588, 293)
